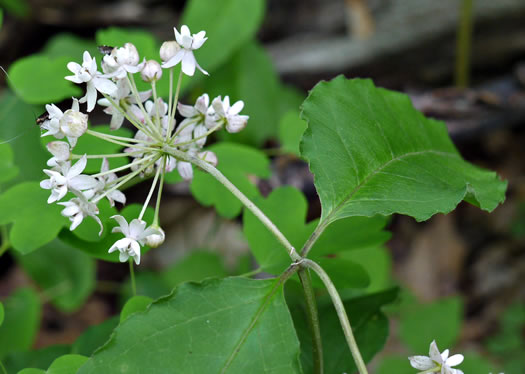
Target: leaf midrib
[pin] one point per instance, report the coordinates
(360, 185)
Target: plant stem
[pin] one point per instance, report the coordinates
(312, 239)
(463, 44)
(159, 192)
(313, 319)
(171, 121)
(239, 195)
(341, 313)
(132, 277)
(150, 193)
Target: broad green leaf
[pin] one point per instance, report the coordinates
(148, 283)
(38, 358)
(71, 46)
(2, 313)
(68, 364)
(32, 371)
(250, 67)
(202, 327)
(372, 153)
(22, 318)
(39, 79)
(291, 129)
(369, 324)
(237, 162)
(229, 24)
(35, 222)
(94, 337)
(287, 208)
(195, 267)
(343, 273)
(23, 135)
(135, 304)
(376, 261)
(475, 363)
(71, 283)
(439, 321)
(8, 170)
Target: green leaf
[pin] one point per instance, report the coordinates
(1, 18)
(68, 364)
(89, 229)
(195, 267)
(71, 283)
(237, 163)
(32, 371)
(343, 273)
(250, 67)
(94, 337)
(204, 326)
(22, 318)
(439, 321)
(18, 8)
(475, 363)
(395, 364)
(23, 135)
(291, 129)
(376, 261)
(287, 208)
(99, 249)
(2, 313)
(39, 79)
(135, 304)
(369, 324)
(373, 153)
(229, 24)
(71, 46)
(35, 222)
(8, 170)
(37, 359)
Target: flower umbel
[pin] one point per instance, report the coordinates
(149, 152)
(437, 362)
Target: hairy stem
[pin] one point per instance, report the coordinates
(313, 319)
(239, 195)
(341, 313)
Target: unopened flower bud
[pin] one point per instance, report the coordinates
(155, 240)
(209, 157)
(168, 50)
(151, 71)
(127, 55)
(74, 123)
(60, 150)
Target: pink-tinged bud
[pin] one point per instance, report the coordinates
(151, 71)
(209, 157)
(168, 50)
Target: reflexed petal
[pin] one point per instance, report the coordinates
(123, 256)
(198, 40)
(118, 196)
(78, 168)
(178, 36)
(117, 119)
(54, 111)
(70, 209)
(73, 67)
(226, 103)
(455, 360)
(124, 227)
(218, 106)
(188, 63)
(185, 31)
(174, 60)
(83, 182)
(86, 59)
(444, 355)
(74, 79)
(187, 110)
(77, 220)
(185, 170)
(421, 362)
(201, 69)
(237, 107)
(202, 104)
(46, 184)
(105, 86)
(236, 124)
(434, 352)
(90, 97)
(75, 105)
(136, 257)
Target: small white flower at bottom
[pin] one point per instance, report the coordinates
(135, 234)
(438, 361)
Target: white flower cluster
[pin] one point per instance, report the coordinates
(157, 129)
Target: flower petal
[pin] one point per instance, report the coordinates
(421, 362)
(188, 63)
(124, 227)
(78, 168)
(455, 360)
(434, 353)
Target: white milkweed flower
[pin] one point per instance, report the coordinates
(79, 208)
(229, 115)
(135, 235)
(88, 73)
(67, 179)
(440, 362)
(104, 180)
(52, 123)
(71, 124)
(121, 61)
(188, 44)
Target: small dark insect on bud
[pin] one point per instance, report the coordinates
(42, 118)
(105, 49)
